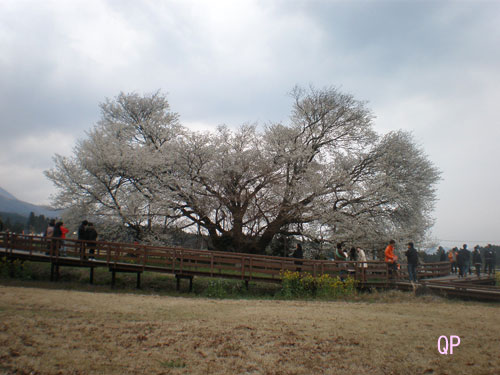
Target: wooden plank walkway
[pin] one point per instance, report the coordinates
(472, 287)
(187, 263)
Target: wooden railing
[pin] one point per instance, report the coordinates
(427, 270)
(180, 261)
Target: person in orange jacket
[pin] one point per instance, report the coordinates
(391, 259)
(452, 256)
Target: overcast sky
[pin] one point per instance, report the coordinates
(431, 67)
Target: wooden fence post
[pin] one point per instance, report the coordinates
(212, 264)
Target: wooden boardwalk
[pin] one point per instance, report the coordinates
(481, 288)
(188, 263)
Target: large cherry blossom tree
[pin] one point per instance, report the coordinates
(325, 175)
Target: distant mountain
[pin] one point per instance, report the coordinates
(13, 218)
(9, 203)
(6, 194)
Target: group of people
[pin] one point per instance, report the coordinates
(460, 260)
(411, 256)
(87, 232)
(354, 254)
(57, 232)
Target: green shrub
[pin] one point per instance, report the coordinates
(13, 268)
(296, 284)
(217, 289)
(220, 288)
(4, 267)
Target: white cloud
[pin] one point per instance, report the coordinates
(26, 183)
(23, 161)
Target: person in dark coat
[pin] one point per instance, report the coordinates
(91, 236)
(82, 230)
(489, 260)
(476, 260)
(493, 260)
(59, 234)
(299, 254)
(82, 236)
(442, 254)
(353, 255)
(412, 257)
(467, 254)
(463, 255)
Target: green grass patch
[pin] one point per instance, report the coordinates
(37, 274)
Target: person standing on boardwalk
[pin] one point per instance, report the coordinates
(390, 259)
(341, 254)
(60, 232)
(452, 257)
(57, 235)
(82, 236)
(455, 257)
(298, 253)
(467, 255)
(463, 253)
(412, 257)
(362, 265)
(64, 231)
(493, 261)
(489, 260)
(353, 254)
(442, 254)
(476, 260)
(49, 233)
(91, 235)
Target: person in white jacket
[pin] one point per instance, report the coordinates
(362, 265)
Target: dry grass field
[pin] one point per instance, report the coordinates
(73, 332)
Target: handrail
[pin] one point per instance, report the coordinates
(202, 262)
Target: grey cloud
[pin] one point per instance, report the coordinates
(423, 65)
